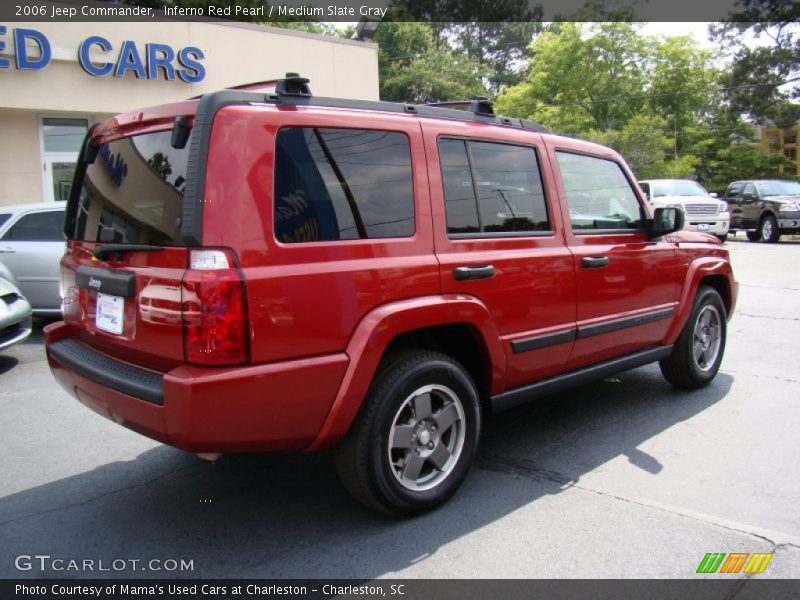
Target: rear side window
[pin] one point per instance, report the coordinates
(3, 218)
(491, 187)
(599, 194)
(133, 192)
(38, 227)
(342, 184)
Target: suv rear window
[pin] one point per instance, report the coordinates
(342, 184)
(133, 189)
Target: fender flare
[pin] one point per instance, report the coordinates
(379, 327)
(698, 269)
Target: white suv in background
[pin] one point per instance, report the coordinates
(703, 211)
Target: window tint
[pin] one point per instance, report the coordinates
(4, 217)
(134, 187)
(459, 191)
(598, 193)
(342, 184)
(510, 196)
(645, 188)
(749, 189)
(38, 227)
(510, 191)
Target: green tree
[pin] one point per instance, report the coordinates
(413, 69)
(682, 83)
(499, 47)
(642, 142)
(762, 82)
(578, 83)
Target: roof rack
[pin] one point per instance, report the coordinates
(479, 105)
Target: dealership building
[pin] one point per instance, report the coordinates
(57, 79)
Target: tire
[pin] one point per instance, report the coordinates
(705, 333)
(723, 238)
(754, 236)
(768, 229)
(416, 436)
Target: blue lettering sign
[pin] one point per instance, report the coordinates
(164, 61)
(189, 57)
(129, 60)
(4, 62)
(86, 62)
(23, 61)
(157, 58)
(116, 165)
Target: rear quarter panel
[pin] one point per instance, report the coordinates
(306, 299)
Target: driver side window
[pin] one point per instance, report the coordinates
(599, 195)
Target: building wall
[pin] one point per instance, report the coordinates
(235, 53)
(775, 140)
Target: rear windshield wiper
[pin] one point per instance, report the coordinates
(102, 251)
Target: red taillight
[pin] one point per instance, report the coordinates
(214, 310)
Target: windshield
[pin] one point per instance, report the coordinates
(779, 188)
(678, 188)
(133, 192)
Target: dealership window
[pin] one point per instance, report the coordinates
(61, 141)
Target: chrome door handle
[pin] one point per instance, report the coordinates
(7, 250)
(473, 272)
(594, 262)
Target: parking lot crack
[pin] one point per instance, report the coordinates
(770, 317)
(528, 469)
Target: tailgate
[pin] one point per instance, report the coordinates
(125, 258)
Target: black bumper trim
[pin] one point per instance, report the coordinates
(107, 371)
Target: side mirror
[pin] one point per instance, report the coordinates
(747, 197)
(666, 220)
(714, 195)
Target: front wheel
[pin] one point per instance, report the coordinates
(769, 229)
(697, 354)
(415, 439)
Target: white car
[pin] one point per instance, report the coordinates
(15, 315)
(703, 211)
(31, 246)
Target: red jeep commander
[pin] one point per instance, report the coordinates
(275, 271)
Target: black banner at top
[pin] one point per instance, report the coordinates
(446, 11)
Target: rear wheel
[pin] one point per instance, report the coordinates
(415, 439)
(769, 229)
(697, 354)
(754, 236)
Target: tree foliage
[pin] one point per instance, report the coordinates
(412, 68)
(764, 79)
(659, 102)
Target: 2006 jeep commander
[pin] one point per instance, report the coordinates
(275, 271)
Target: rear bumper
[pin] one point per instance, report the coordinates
(279, 406)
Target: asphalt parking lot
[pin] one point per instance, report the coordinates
(627, 478)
